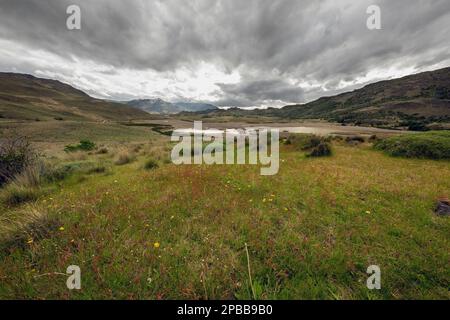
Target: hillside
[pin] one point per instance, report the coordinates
(25, 97)
(159, 106)
(412, 102)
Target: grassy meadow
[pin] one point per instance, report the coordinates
(140, 227)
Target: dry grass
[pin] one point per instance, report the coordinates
(124, 157)
(28, 226)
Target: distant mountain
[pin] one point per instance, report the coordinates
(159, 106)
(414, 102)
(25, 97)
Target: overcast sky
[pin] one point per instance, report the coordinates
(229, 52)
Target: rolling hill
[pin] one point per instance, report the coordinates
(414, 102)
(25, 97)
(159, 106)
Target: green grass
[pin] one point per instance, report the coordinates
(429, 145)
(312, 231)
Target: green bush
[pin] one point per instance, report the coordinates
(429, 145)
(84, 145)
(323, 149)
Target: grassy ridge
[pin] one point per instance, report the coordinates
(429, 145)
(180, 231)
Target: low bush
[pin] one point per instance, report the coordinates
(427, 145)
(323, 149)
(355, 139)
(304, 142)
(84, 145)
(151, 164)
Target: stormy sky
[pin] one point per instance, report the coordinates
(252, 53)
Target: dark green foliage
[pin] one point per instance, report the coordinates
(151, 164)
(315, 146)
(84, 145)
(429, 145)
(323, 149)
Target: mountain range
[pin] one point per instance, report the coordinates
(417, 100)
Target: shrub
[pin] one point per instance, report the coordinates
(427, 145)
(124, 157)
(355, 139)
(16, 154)
(151, 164)
(304, 142)
(84, 145)
(323, 149)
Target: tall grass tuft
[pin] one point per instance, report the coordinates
(29, 226)
(124, 157)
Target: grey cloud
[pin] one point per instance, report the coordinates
(306, 40)
(252, 93)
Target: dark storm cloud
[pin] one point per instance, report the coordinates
(275, 45)
(253, 93)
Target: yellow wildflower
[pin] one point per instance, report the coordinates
(156, 245)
